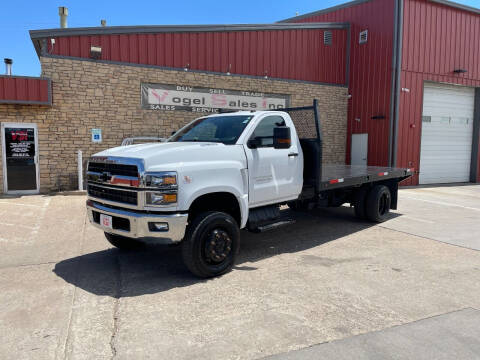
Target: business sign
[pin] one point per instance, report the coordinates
(19, 142)
(207, 100)
(96, 135)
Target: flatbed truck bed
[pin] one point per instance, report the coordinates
(339, 176)
(327, 185)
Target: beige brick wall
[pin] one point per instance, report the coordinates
(90, 95)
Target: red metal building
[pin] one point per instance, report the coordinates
(403, 55)
(25, 90)
(286, 51)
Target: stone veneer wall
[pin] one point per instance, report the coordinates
(88, 94)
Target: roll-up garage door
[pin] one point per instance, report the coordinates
(447, 128)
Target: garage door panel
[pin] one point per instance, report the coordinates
(447, 128)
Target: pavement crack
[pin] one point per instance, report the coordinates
(74, 295)
(427, 238)
(117, 296)
(24, 265)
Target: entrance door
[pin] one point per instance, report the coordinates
(359, 149)
(20, 158)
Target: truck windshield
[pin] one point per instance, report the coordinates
(220, 129)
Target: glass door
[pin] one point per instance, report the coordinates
(20, 165)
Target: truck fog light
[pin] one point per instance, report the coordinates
(154, 198)
(158, 226)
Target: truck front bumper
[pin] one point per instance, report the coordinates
(139, 225)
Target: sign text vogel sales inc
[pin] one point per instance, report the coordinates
(207, 100)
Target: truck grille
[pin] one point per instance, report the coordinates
(113, 169)
(111, 194)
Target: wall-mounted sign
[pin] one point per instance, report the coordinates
(19, 142)
(207, 100)
(97, 135)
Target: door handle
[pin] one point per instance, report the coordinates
(292, 154)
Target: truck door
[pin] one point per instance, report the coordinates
(275, 175)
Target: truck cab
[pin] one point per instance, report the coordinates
(216, 175)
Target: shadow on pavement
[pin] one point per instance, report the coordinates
(159, 268)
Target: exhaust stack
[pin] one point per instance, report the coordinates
(8, 66)
(63, 12)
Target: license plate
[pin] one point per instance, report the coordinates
(106, 221)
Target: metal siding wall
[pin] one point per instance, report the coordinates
(23, 89)
(437, 40)
(288, 54)
(370, 72)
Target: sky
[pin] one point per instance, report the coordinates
(19, 16)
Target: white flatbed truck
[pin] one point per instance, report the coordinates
(226, 172)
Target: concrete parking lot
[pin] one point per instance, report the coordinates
(65, 293)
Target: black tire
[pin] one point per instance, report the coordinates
(378, 203)
(122, 242)
(359, 202)
(211, 244)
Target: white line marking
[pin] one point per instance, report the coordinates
(441, 203)
(417, 219)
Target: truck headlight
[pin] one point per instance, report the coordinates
(164, 179)
(157, 198)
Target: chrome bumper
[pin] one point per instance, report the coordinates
(138, 221)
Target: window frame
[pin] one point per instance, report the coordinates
(251, 136)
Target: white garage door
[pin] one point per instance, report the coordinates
(447, 128)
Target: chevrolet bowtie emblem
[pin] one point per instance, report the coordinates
(106, 176)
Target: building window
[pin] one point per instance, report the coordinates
(363, 37)
(327, 38)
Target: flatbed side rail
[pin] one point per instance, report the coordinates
(371, 176)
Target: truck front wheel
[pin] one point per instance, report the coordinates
(378, 203)
(122, 242)
(211, 244)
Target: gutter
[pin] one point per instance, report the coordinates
(155, 29)
(457, 5)
(398, 69)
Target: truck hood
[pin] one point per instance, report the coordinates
(169, 156)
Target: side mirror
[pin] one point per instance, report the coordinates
(282, 138)
(253, 143)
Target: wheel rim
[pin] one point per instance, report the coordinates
(218, 246)
(384, 204)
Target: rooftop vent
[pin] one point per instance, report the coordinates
(8, 66)
(63, 12)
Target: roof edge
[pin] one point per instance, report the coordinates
(457, 5)
(152, 29)
(324, 11)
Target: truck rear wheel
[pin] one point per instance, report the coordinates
(378, 203)
(211, 244)
(122, 242)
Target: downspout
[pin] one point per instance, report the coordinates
(395, 82)
(398, 81)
